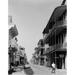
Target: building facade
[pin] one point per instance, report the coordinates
(17, 55)
(39, 53)
(55, 35)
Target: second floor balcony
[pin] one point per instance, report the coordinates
(54, 48)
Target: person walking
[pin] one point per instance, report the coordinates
(53, 67)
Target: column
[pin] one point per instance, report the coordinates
(55, 58)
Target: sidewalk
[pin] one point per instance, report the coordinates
(19, 73)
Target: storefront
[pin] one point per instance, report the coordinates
(58, 57)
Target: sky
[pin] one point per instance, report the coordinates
(31, 17)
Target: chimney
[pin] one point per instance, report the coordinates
(63, 2)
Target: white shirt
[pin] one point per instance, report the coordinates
(53, 65)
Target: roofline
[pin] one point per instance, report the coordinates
(52, 16)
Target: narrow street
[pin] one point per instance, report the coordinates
(37, 37)
(41, 70)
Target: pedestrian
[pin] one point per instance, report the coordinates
(53, 67)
